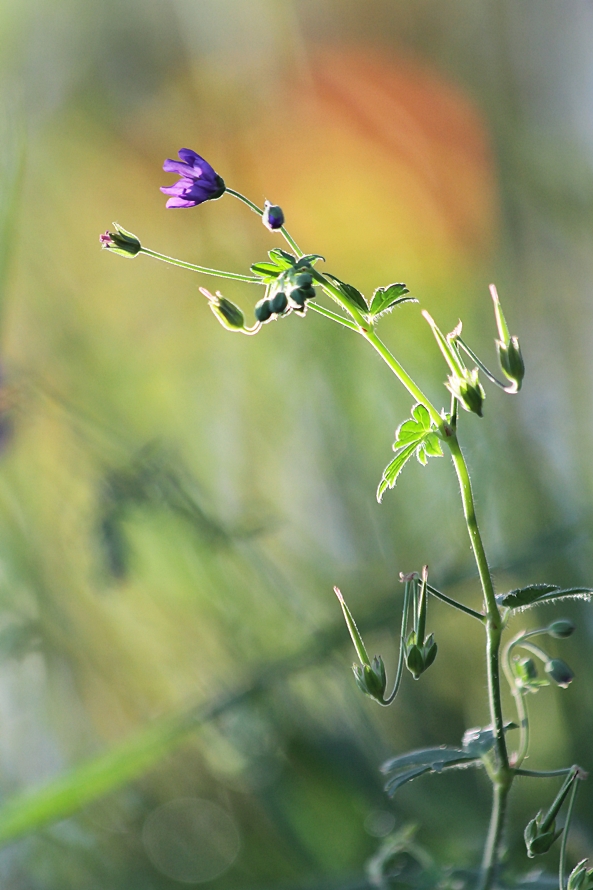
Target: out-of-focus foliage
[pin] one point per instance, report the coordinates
(176, 502)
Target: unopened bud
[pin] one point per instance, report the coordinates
(263, 310)
(419, 656)
(538, 841)
(371, 679)
(468, 390)
(511, 361)
(559, 672)
(121, 242)
(525, 670)
(581, 877)
(273, 217)
(561, 628)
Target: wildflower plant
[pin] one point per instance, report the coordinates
(293, 283)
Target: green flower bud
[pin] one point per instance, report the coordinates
(511, 361)
(559, 672)
(263, 310)
(121, 242)
(371, 679)
(468, 390)
(229, 315)
(415, 661)
(581, 877)
(538, 841)
(279, 303)
(525, 669)
(419, 657)
(561, 628)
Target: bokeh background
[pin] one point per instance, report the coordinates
(177, 502)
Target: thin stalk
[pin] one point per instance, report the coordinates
(493, 841)
(402, 375)
(519, 699)
(288, 238)
(543, 773)
(400, 660)
(333, 315)
(562, 866)
(235, 276)
(451, 602)
(480, 364)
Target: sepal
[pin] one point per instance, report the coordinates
(581, 877)
(537, 841)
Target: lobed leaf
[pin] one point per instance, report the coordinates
(309, 259)
(282, 258)
(534, 594)
(426, 760)
(350, 293)
(387, 298)
(393, 469)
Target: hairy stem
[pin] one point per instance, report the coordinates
(402, 375)
(493, 841)
(287, 237)
(503, 776)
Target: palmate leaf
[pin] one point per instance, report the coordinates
(350, 293)
(387, 298)
(409, 766)
(415, 436)
(536, 594)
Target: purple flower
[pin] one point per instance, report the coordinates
(198, 183)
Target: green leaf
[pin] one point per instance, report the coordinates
(426, 760)
(282, 258)
(309, 259)
(535, 594)
(387, 298)
(421, 415)
(435, 758)
(393, 469)
(432, 445)
(524, 596)
(268, 272)
(477, 742)
(351, 294)
(408, 431)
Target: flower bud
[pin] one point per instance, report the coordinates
(538, 841)
(229, 315)
(263, 310)
(273, 217)
(581, 877)
(371, 679)
(561, 628)
(525, 670)
(468, 390)
(419, 657)
(511, 361)
(559, 672)
(121, 242)
(279, 303)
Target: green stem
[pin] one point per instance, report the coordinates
(481, 364)
(333, 315)
(288, 238)
(562, 866)
(235, 276)
(519, 699)
(493, 841)
(403, 377)
(451, 602)
(400, 660)
(543, 774)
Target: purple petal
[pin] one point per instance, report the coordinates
(171, 166)
(179, 202)
(178, 188)
(194, 160)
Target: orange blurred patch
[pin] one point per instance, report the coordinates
(386, 156)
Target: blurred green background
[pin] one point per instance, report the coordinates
(176, 503)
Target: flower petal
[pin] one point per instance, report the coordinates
(179, 202)
(171, 166)
(194, 160)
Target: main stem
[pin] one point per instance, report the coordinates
(502, 775)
